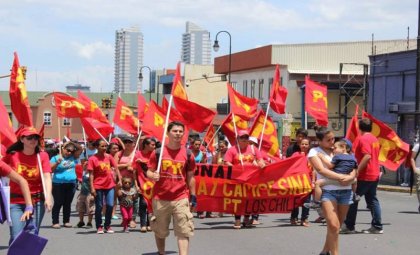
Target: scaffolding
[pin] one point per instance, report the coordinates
(353, 79)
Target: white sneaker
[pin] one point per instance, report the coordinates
(373, 230)
(345, 230)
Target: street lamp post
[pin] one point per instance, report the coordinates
(150, 80)
(216, 48)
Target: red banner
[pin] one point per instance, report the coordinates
(229, 129)
(8, 137)
(278, 94)
(69, 107)
(316, 102)
(18, 95)
(92, 107)
(393, 150)
(243, 106)
(125, 119)
(177, 88)
(270, 143)
(195, 116)
(93, 128)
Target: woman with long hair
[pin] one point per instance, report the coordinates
(64, 181)
(335, 199)
(26, 158)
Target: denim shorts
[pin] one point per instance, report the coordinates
(341, 197)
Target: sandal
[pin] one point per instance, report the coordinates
(293, 222)
(56, 226)
(143, 229)
(67, 225)
(304, 223)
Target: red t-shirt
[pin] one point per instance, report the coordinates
(368, 144)
(248, 154)
(172, 184)
(5, 169)
(27, 167)
(102, 172)
(124, 160)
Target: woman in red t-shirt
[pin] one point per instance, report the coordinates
(140, 168)
(25, 157)
(102, 184)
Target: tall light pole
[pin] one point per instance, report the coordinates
(216, 48)
(150, 80)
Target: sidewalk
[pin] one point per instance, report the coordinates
(393, 188)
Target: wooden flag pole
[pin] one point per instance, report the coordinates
(164, 133)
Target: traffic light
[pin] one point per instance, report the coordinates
(106, 102)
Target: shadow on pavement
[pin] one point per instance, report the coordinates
(409, 212)
(154, 253)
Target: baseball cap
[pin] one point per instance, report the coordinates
(243, 133)
(27, 131)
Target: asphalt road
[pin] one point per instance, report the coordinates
(274, 236)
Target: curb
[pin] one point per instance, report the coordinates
(395, 188)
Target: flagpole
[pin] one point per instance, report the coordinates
(164, 133)
(103, 138)
(263, 129)
(215, 133)
(137, 142)
(236, 138)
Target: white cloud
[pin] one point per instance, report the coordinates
(88, 50)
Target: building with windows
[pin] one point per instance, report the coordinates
(196, 45)
(128, 59)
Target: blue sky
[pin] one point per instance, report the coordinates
(72, 41)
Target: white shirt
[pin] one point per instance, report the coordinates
(313, 152)
(415, 150)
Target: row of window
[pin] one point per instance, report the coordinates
(48, 120)
(252, 92)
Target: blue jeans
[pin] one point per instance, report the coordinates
(108, 195)
(341, 197)
(367, 189)
(16, 211)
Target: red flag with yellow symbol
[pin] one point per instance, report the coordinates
(178, 89)
(70, 107)
(195, 116)
(154, 121)
(270, 143)
(209, 138)
(8, 137)
(278, 94)
(316, 102)
(125, 118)
(95, 128)
(94, 109)
(18, 95)
(142, 106)
(243, 106)
(229, 129)
(393, 150)
(42, 135)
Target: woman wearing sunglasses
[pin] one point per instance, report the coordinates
(26, 158)
(64, 182)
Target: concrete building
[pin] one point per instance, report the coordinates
(128, 59)
(196, 45)
(336, 65)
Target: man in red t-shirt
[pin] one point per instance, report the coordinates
(366, 152)
(174, 183)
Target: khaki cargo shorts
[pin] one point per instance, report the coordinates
(179, 210)
(85, 204)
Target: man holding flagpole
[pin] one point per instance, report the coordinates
(174, 183)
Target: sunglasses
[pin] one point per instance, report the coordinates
(126, 182)
(71, 151)
(32, 137)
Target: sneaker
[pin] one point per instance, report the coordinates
(345, 230)
(373, 230)
(81, 224)
(126, 230)
(100, 230)
(115, 217)
(89, 225)
(404, 184)
(143, 229)
(109, 230)
(356, 198)
(313, 205)
(320, 220)
(103, 217)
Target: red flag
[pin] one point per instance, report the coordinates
(154, 121)
(94, 109)
(195, 116)
(177, 87)
(270, 143)
(278, 94)
(393, 150)
(165, 104)
(243, 106)
(124, 118)
(316, 102)
(41, 136)
(353, 130)
(142, 106)
(18, 95)
(209, 138)
(93, 127)
(229, 130)
(70, 107)
(8, 137)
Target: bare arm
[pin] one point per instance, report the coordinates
(48, 193)
(191, 182)
(78, 151)
(325, 161)
(413, 162)
(317, 165)
(92, 189)
(363, 163)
